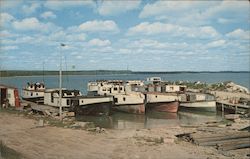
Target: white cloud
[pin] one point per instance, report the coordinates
(6, 48)
(99, 42)
(47, 15)
(202, 12)
(58, 4)
(33, 24)
(99, 26)
(217, 43)
(146, 28)
(5, 18)
(239, 34)
(7, 4)
(173, 8)
(29, 9)
(115, 7)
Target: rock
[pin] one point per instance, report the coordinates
(84, 125)
(40, 123)
(232, 116)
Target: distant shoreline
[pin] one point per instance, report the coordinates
(11, 73)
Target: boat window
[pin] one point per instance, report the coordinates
(82, 101)
(115, 88)
(67, 101)
(37, 94)
(124, 98)
(120, 88)
(115, 100)
(52, 98)
(104, 89)
(155, 96)
(31, 94)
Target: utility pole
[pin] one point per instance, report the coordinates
(60, 83)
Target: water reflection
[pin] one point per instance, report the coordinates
(152, 119)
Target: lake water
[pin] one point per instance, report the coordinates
(119, 120)
(80, 81)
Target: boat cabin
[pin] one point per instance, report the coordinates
(51, 97)
(175, 88)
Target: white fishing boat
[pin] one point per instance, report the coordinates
(123, 98)
(33, 92)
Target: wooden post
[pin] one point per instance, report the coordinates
(222, 110)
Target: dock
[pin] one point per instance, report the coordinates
(40, 107)
(236, 108)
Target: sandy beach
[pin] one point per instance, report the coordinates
(22, 135)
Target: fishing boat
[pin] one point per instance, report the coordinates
(198, 101)
(164, 102)
(123, 98)
(73, 100)
(33, 92)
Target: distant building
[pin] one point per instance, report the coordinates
(9, 96)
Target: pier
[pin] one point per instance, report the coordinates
(236, 108)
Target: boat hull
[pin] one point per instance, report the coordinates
(171, 107)
(94, 109)
(34, 99)
(200, 105)
(131, 108)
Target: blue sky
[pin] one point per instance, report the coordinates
(141, 35)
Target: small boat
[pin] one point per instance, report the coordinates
(164, 102)
(33, 92)
(198, 101)
(123, 98)
(82, 105)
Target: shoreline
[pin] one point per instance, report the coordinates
(21, 133)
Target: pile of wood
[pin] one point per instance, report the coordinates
(222, 141)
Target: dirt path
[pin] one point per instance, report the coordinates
(21, 134)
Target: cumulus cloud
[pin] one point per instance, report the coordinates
(217, 43)
(239, 34)
(33, 24)
(115, 7)
(58, 4)
(99, 26)
(146, 28)
(5, 18)
(47, 15)
(6, 48)
(99, 42)
(202, 12)
(29, 9)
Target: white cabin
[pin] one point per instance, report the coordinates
(175, 88)
(33, 91)
(154, 80)
(51, 97)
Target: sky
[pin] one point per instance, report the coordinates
(118, 35)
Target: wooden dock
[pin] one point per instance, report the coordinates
(40, 107)
(222, 141)
(233, 107)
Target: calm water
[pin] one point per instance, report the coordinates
(130, 121)
(80, 81)
(120, 120)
